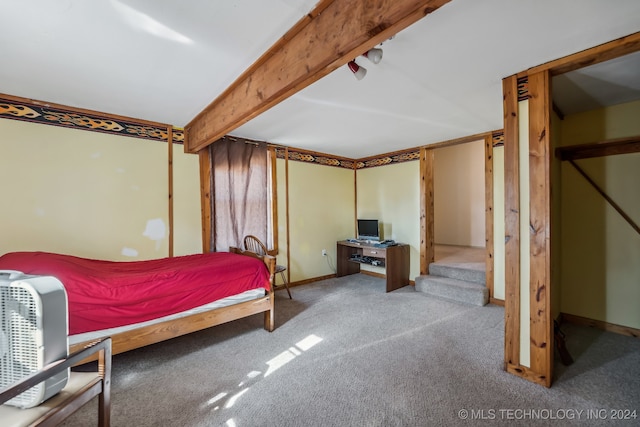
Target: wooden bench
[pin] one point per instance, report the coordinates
(80, 389)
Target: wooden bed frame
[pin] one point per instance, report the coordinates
(168, 329)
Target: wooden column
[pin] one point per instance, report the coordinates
(488, 211)
(541, 322)
(540, 337)
(206, 191)
(286, 180)
(355, 199)
(274, 197)
(170, 173)
(511, 226)
(427, 245)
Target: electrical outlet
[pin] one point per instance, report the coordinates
(324, 252)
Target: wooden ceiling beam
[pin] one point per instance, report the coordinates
(601, 53)
(332, 34)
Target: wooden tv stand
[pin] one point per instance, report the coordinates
(395, 259)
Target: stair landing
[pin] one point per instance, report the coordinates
(448, 254)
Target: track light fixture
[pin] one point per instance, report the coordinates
(357, 70)
(374, 55)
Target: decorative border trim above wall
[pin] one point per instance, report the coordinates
(325, 160)
(497, 139)
(35, 112)
(523, 88)
(388, 159)
(24, 109)
(317, 158)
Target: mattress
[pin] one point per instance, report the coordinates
(224, 302)
(109, 294)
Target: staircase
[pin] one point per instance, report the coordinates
(456, 281)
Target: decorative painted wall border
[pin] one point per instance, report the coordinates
(409, 155)
(24, 109)
(523, 88)
(317, 158)
(327, 160)
(388, 159)
(497, 139)
(35, 112)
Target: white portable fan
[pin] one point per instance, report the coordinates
(33, 333)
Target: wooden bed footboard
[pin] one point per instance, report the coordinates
(168, 329)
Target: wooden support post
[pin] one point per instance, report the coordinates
(512, 224)
(488, 211)
(170, 173)
(286, 180)
(274, 197)
(541, 322)
(206, 197)
(427, 245)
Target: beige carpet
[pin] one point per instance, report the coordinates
(345, 353)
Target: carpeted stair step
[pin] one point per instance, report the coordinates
(467, 272)
(453, 289)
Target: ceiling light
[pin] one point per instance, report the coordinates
(357, 70)
(374, 55)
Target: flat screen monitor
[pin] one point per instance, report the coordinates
(368, 229)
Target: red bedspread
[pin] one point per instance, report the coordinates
(106, 294)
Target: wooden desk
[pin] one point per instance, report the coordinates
(395, 260)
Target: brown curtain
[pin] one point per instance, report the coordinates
(240, 197)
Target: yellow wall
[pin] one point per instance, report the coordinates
(321, 212)
(600, 272)
(391, 194)
(617, 121)
(460, 195)
(525, 265)
(187, 225)
(91, 194)
(106, 196)
(498, 223)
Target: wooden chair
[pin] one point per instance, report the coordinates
(253, 244)
(81, 388)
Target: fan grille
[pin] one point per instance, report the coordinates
(19, 340)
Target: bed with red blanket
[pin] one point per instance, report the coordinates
(142, 302)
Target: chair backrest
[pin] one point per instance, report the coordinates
(253, 244)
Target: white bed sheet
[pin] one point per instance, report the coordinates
(224, 302)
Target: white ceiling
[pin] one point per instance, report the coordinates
(165, 61)
(608, 83)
